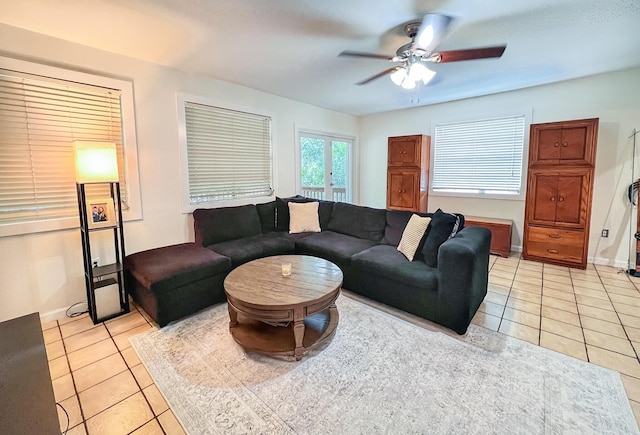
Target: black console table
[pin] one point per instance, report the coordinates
(27, 403)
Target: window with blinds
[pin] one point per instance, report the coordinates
(228, 153)
(40, 117)
(479, 157)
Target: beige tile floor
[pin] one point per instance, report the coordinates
(98, 378)
(592, 314)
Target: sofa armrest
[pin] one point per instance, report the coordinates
(463, 266)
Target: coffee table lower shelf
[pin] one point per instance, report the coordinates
(264, 338)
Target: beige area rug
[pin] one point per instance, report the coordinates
(379, 374)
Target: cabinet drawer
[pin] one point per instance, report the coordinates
(574, 239)
(556, 244)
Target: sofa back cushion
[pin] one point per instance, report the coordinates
(267, 214)
(214, 225)
(396, 222)
(282, 211)
(358, 221)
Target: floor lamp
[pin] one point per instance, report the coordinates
(97, 163)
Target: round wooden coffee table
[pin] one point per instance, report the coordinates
(279, 315)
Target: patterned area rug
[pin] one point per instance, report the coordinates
(379, 374)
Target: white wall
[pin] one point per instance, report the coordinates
(43, 272)
(613, 97)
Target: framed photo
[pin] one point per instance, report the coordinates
(100, 213)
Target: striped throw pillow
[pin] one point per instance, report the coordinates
(412, 235)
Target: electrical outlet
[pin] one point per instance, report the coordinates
(95, 262)
(605, 233)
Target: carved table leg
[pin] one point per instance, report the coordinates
(298, 333)
(233, 316)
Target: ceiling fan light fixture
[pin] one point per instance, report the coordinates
(398, 76)
(407, 83)
(418, 72)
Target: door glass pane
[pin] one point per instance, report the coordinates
(312, 167)
(339, 164)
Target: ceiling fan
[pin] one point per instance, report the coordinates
(412, 57)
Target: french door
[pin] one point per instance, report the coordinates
(325, 167)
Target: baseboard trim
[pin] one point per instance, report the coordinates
(58, 313)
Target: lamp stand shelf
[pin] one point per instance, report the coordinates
(107, 275)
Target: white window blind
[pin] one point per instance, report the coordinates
(228, 153)
(39, 119)
(482, 156)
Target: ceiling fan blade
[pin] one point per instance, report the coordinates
(381, 74)
(362, 54)
(470, 54)
(431, 32)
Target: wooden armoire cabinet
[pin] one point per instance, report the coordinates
(408, 173)
(559, 191)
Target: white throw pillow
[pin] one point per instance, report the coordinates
(412, 234)
(303, 217)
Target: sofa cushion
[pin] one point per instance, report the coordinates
(358, 221)
(267, 215)
(442, 227)
(396, 222)
(303, 218)
(387, 261)
(214, 225)
(164, 269)
(249, 248)
(335, 247)
(412, 235)
(282, 209)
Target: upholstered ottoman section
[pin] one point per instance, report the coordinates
(174, 281)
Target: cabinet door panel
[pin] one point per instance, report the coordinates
(544, 197)
(571, 207)
(401, 190)
(574, 144)
(404, 151)
(547, 149)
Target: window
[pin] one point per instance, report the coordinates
(41, 114)
(228, 153)
(481, 157)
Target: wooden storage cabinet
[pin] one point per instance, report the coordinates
(408, 172)
(559, 192)
(563, 143)
(567, 245)
(500, 232)
(559, 198)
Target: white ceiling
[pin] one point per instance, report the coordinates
(290, 47)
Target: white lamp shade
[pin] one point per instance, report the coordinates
(420, 72)
(408, 83)
(96, 162)
(398, 76)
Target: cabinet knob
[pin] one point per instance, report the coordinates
(557, 144)
(554, 236)
(400, 191)
(552, 251)
(560, 198)
(552, 199)
(565, 144)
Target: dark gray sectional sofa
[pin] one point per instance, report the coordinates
(362, 241)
